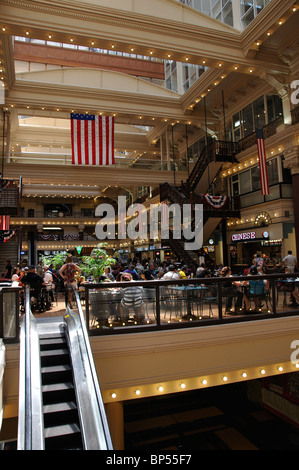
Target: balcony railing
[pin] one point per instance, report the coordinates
(184, 303)
(269, 130)
(171, 304)
(40, 214)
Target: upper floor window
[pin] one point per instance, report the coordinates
(250, 9)
(256, 115)
(221, 10)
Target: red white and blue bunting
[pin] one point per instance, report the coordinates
(6, 235)
(215, 201)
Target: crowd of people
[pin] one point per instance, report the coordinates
(69, 274)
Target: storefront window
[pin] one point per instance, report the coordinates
(272, 166)
(235, 185)
(256, 180)
(245, 182)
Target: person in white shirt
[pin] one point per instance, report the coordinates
(171, 273)
(290, 262)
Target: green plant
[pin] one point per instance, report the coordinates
(95, 264)
(57, 260)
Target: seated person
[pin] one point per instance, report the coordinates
(292, 289)
(34, 280)
(257, 288)
(172, 273)
(132, 299)
(229, 290)
(131, 270)
(146, 275)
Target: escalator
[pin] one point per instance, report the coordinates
(60, 409)
(60, 402)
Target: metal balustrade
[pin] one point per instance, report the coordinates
(183, 303)
(168, 304)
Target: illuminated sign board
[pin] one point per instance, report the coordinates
(243, 236)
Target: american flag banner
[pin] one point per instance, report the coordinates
(92, 139)
(262, 161)
(4, 222)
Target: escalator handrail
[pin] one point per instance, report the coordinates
(101, 435)
(30, 420)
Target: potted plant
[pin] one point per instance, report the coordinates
(56, 260)
(95, 264)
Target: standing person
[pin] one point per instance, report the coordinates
(8, 270)
(290, 262)
(68, 272)
(48, 279)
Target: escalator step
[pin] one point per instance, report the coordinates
(57, 356)
(63, 437)
(59, 407)
(56, 373)
(52, 343)
(57, 414)
(58, 392)
(63, 430)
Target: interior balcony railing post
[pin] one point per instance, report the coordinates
(158, 317)
(87, 308)
(219, 289)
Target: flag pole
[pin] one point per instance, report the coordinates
(186, 129)
(173, 156)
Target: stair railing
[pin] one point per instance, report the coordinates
(95, 429)
(30, 422)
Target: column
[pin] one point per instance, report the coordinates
(167, 149)
(236, 4)
(286, 106)
(115, 417)
(81, 231)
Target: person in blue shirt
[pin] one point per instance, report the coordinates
(257, 287)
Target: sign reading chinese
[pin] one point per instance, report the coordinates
(243, 236)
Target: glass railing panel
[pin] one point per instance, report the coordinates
(189, 302)
(116, 307)
(10, 311)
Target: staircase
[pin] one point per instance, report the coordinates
(207, 166)
(209, 163)
(10, 197)
(10, 202)
(61, 418)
